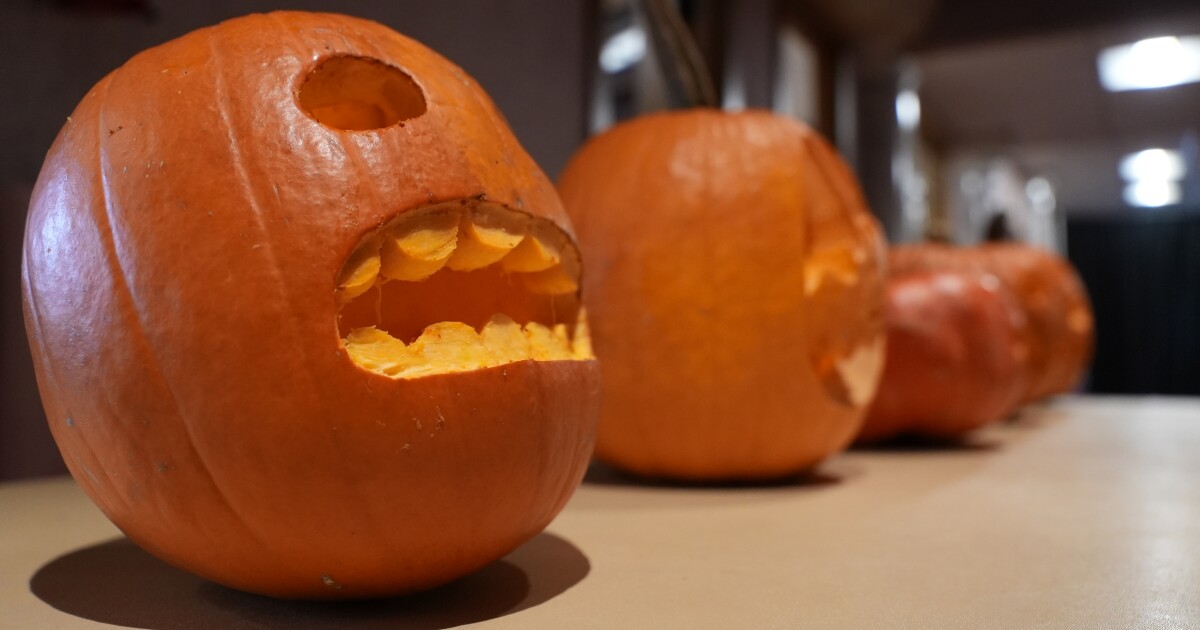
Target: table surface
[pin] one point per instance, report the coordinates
(1083, 513)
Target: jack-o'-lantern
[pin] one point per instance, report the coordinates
(305, 316)
(735, 285)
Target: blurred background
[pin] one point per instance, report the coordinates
(1072, 125)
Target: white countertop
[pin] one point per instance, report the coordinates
(1085, 513)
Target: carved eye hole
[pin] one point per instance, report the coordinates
(358, 93)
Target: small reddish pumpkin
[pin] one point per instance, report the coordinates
(305, 316)
(735, 280)
(1048, 290)
(956, 357)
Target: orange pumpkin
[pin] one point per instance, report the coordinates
(1048, 290)
(1060, 314)
(305, 316)
(735, 281)
(956, 357)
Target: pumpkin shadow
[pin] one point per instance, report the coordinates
(1032, 416)
(970, 443)
(117, 583)
(601, 474)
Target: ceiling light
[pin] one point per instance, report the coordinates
(908, 109)
(1041, 195)
(1153, 164)
(1152, 193)
(1150, 63)
(623, 50)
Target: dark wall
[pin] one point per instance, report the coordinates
(1142, 270)
(25, 445)
(532, 56)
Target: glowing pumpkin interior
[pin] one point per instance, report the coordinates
(848, 367)
(461, 286)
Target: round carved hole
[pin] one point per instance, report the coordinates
(356, 93)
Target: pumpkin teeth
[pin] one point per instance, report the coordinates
(481, 244)
(360, 272)
(841, 264)
(552, 281)
(419, 248)
(478, 246)
(853, 377)
(860, 371)
(534, 253)
(420, 245)
(447, 347)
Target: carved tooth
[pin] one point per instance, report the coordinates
(839, 263)
(544, 345)
(552, 281)
(503, 337)
(420, 247)
(535, 253)
(860, 371)
(482, 242)
(360, 272)
(540, 339)
(450, 343)
(581, 345)
(376, 350)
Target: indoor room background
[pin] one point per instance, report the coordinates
(1077, 130)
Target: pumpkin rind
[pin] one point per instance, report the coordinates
(735, 291)
(181, 254)
(1061, 332)
(956, 356)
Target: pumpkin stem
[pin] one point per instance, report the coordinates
(688, 78)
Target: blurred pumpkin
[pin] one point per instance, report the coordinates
(304, 314)
(1048, 290)
(735, 282)
(956, 357)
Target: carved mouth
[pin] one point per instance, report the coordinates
(461, 286)
(849, 368)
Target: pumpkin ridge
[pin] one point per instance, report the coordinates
(235, 150)
(353, 152)
(275, 17)
(237, 159)
(120, 278)
(48, 371)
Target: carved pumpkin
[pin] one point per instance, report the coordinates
(1048, 290)
(735, 286)
(956, 357)
(305, 316)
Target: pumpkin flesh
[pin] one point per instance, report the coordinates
(461, 286)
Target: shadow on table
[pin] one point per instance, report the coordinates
(1023, 423)
(115, 582)
(972, 443)
(825, 475)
